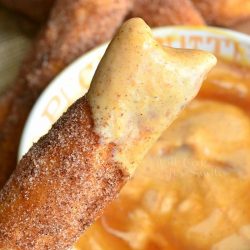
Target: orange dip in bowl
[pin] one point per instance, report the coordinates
(192, 190)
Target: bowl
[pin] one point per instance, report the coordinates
(74, 81)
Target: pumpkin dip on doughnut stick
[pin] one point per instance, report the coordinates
(68, 177)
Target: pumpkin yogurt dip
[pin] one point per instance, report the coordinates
(192, 190)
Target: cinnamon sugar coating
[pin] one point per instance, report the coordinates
(224, 12)
(73, 28)
(60, 186)
(167, 12)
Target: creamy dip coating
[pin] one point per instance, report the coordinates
(151, 80)
(192, 190)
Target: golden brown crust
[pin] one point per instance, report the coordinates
(242, 26)
(223, 12)
(167, 12)
(73, 28)
(60, 186)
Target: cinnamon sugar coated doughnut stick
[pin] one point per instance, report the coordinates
(167, 12)
(66, 179)
(73, 28)
(223, 12)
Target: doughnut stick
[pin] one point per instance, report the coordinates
(242, 26)
(167, 12)
(68, 177)
(73, 28)
(223, 12)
